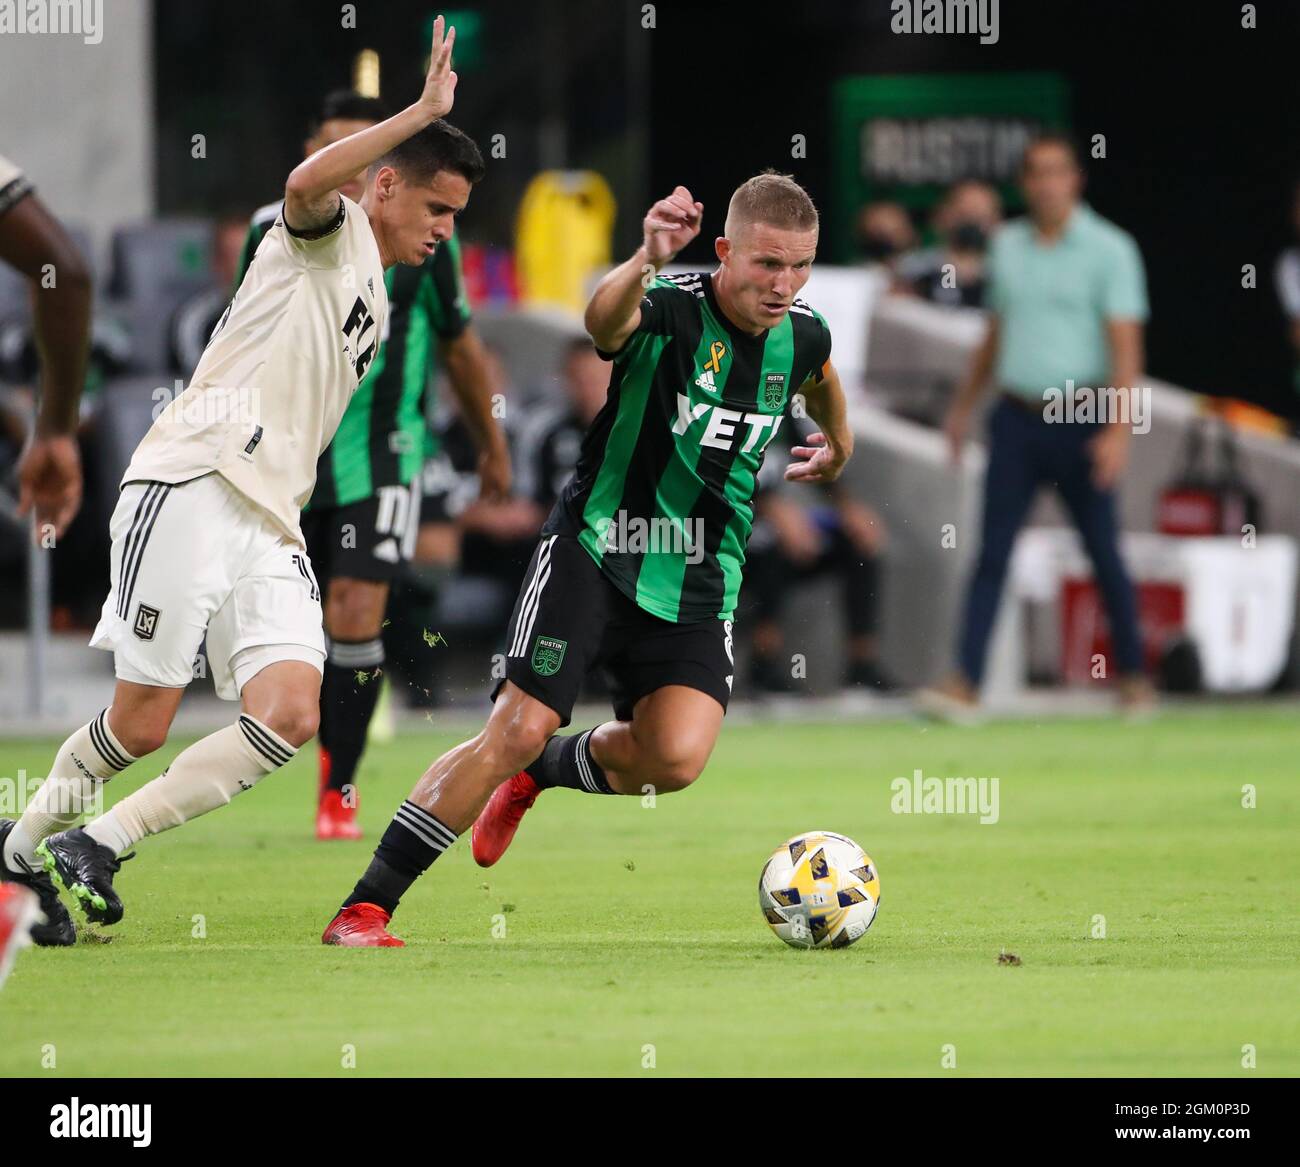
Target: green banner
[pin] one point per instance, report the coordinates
(909, 137)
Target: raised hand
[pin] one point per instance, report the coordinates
(671, 224)
(440, 84)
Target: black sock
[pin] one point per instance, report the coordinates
(567, 761)
(413, 840)
(348, 695)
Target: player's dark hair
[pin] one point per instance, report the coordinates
(1058, 138)
(439, 146)
(349, 105)
(774, 199)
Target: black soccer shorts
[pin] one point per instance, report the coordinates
(569, 617)
(373, 539)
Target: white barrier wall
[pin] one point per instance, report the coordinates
(917, 353)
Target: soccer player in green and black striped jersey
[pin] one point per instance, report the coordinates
(361, 522)
(639, 565)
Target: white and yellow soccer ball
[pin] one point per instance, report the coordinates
(819, 890)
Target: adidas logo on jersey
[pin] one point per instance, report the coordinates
(387, 551)
(705, 381)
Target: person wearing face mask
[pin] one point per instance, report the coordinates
(885, 237)
(952, 273)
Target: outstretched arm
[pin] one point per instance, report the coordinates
(615, 309)
(311, 199)
(49, 472)
(471, 383)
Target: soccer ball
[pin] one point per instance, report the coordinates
(819, 890)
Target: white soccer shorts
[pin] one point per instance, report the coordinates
(200, 559)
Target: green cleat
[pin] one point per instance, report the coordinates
(86, 868)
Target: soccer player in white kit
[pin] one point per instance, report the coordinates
(206, 538)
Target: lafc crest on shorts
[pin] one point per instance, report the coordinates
(146, 621)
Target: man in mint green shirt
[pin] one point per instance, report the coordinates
(1067, 304)
(1055, 300)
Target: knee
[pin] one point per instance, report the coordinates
(675, 767)
(670, 777)
(513, 741)
(140, 717)
(521, 749)
(354, 609)
(142, 737)
(295, 721)
(298, 723)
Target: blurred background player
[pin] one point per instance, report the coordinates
(498, 536)
(20, 913)
(885, 235)
(550, 440)
(1067, 301)
(34, 243)
(472, 552)
(49, 472)
(361, 522)
(1286, 274)
(952, 271)
(197, 315)
(796, 541)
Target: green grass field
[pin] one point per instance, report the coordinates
(631, 927)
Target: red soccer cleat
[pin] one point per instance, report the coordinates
(335, 819)
(496, 825)
(361, 926)
(19, 910)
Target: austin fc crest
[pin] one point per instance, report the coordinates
(146, 621)
(774, 391)
(548, 655)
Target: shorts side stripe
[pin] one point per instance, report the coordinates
(532, 596)
(412, 532)
(141, 543)
(140, 508)
(526, 630)
(308, 576)
(528, 597)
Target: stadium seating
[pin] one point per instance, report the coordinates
(153, 267)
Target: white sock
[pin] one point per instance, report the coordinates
(203, 777)
(89, 758)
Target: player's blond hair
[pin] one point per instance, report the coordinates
(771, 198)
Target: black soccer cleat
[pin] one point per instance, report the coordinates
(86, 868)
(58, 931)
